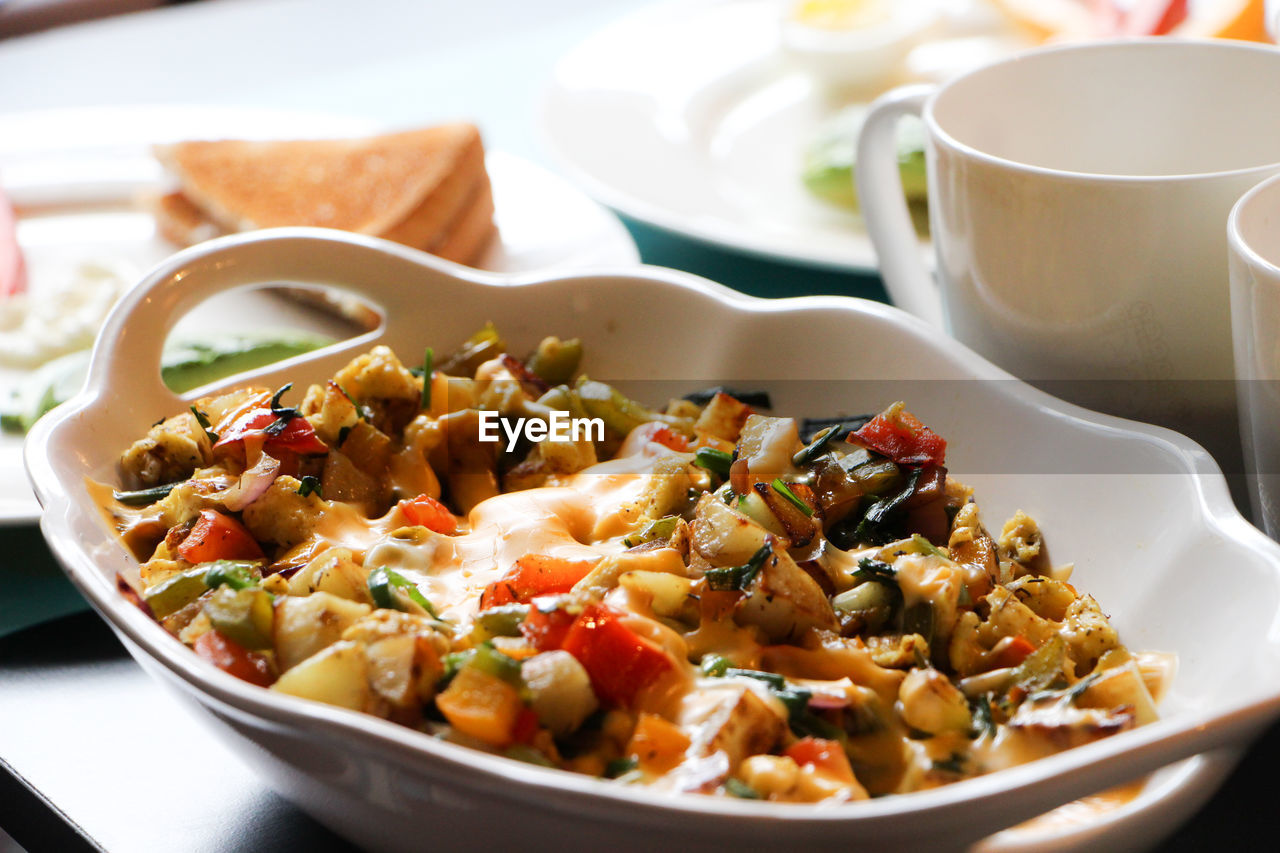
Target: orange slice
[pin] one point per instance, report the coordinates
(1071, 19)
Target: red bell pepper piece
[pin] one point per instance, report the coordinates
(229, 656)
(660, 433)
(526, 726)
(534, 575)
(426, 511)
(899, 435)
(297, 436)
(826, 755)
(546, 630)
(620, 663)
(218, 537)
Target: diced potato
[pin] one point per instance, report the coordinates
(334, 571)
(1059, 725)
(304, 626)
(283, 516)
(725, 537)
(330, 411)
(669, 594)
(723, 417)
(172, 450)
(730, 716)
(404, 652)
(785, 602)
(768, 445)
(559, 691)
(931, 703)
(337, 675)
(391, 670)
(1120, 686)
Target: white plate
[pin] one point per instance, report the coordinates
(686, 116)
(1142, 511)
(75, 176)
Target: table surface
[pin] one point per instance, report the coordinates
(82, 729)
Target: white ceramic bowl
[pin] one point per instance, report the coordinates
(1144, 513)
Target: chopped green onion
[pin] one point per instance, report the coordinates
(503, 621)
(737, 788)
(983, 720)
(926, 547)
(203, 420)
(308, 485)
(715, 665)
(715, 461)
(620, 767)
(384, 583)
(869, 569)
(427, 361)
(777, 682)
(785, 490)
(816, 447)
(489, 660)
(145, 497)
(237, 574)
(739, 577)
(660, 528)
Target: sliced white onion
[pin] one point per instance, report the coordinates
(252, 484)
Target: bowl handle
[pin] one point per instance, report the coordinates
(133, 336)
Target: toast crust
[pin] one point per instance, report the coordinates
(369, 186)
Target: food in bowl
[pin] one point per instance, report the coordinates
(702, 598)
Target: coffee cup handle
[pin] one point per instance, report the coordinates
(908, 280)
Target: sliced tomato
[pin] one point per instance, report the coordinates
(426, 511)
(229, 656)
(13, 268)
(297, 435)
(620, 663)
(545, 630)
(216, 536)
(534, 575)
(826, 755)
(899, 435)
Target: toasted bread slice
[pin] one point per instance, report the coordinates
(413, 187)
(471, 231)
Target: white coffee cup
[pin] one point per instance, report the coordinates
(1077, 196)
(1253, 233)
